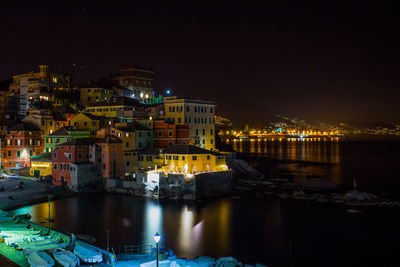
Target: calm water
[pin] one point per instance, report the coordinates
(273, 231)
(375, 165)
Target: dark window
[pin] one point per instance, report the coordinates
(194, 157)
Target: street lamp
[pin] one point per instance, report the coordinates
(157, 238)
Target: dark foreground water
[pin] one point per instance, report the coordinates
(272, 231)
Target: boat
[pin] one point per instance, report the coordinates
(6, 219)
(66, 258)
(11, 176)
(47, 241)
(87, 254)
(40, 247)
(40, 259)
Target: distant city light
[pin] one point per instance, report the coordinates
(168, 91)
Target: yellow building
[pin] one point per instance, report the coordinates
(41, 165)
(192, 159)
(87, 122)
(116, 106)
(198, 114)
(92, 94)
(149, 158)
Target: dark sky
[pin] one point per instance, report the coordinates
(324, 60)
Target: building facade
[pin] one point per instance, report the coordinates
(198, 114)
(21, 142)
(167, 133)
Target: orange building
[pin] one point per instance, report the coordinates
(167, 133)
(22, 141)
(112, 161)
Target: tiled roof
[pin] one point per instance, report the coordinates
(187, 150)
(65, 130)
(94, 117)
(118, 101)
(66, 109)
(24, 127)
(80, 141)
(45, 157)
(133, 127)
(151, 151)
(109, 139)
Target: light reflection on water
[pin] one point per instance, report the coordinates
(272, 231)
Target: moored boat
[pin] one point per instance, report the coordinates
(87, 254)
(66, 258)
(40, 259)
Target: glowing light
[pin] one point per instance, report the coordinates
(168, 91)
(157, 237)
(141, 95)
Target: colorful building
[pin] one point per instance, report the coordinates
(41, 165)
(80, 150)
(88, 122)
(112, 162)
(137, 79)
(35, 87)
(91, 94)
(150, 159)
(21, 142)
(63, 135)
(198, 114)
(117, 107)
(191, 159)
(167, 133)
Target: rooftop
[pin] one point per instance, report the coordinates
(24, 127)
(188, 150)
(45, 157)
(118, 101)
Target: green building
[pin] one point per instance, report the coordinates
(63, 135)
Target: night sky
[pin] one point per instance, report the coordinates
(322, 60)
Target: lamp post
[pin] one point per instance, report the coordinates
(157, 239)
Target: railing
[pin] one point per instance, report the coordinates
(137, 249)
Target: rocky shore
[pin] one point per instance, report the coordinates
(12, 197)
(312, 190)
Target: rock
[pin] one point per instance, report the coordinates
(361, 196)
(228, 262)
(243, 168)
(316, 184)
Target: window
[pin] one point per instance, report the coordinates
(9, 153)
(204, 131)
(211, 141)
(183, 158)
(127, 163)
(211, 110)
(168, 157)
(204, 141)
(55, 166)
(55, 155)
(160, 134)
(211, 131)
(187, 108)
(176, 157)
(140, 144)
(30, 153)
(87, 156)
(140, 134)
(18, 154)
(79, 156)
(179, 120)
(194, 157)
(208, 157)
(169, 143)
(149, 158)
(148, 134)
(197, 131)
(170, 133)
(70, 156)
(85, 123)
(51, 123)
(104, 166)
(57, 125)
(127, 144)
